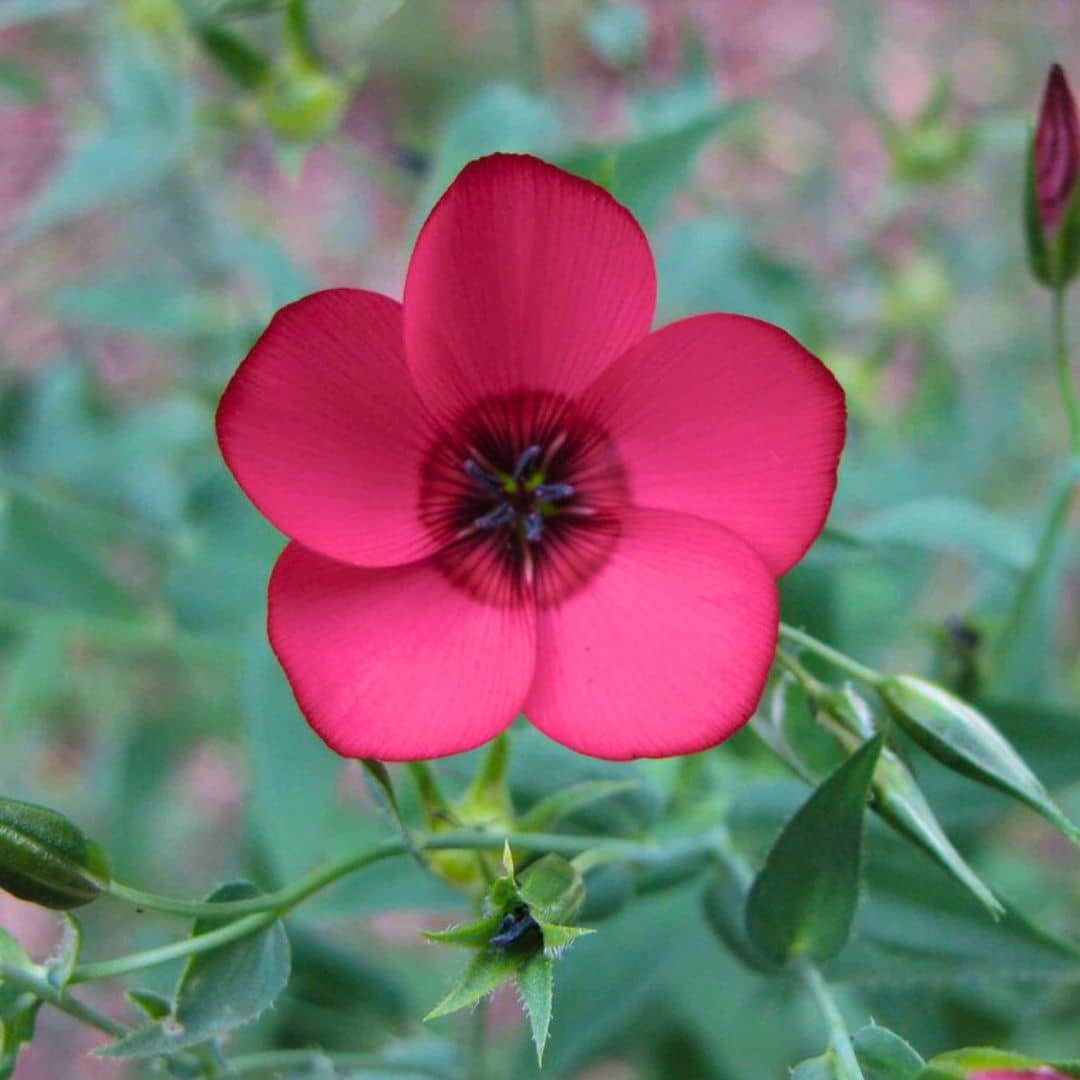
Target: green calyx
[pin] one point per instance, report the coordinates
(46, 859)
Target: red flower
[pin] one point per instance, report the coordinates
(1057, 149)
(505, 494)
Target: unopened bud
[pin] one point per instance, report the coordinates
(46, 859)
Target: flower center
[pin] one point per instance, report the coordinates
(525, 498)
(521, 499)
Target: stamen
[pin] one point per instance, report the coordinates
(534, 526)
(526, 461)
(553, 492)
(482, 477)
(503, 514)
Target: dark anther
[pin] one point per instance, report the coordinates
(503, 514)
(482, 477)
(517, 930)
(534, 526)
(526, 461)
(554, 492)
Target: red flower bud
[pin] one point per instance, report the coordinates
(1057, 149)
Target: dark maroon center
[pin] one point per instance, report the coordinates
(525, 497)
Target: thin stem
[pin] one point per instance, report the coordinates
(528, 53)
(1058, 511)
(813, 687)
(285, 899)
(263, 910)
(1067, 386)
(477, 1047)
(279, 1061)
(847, 1065)
(830, 655)
(58, 999)
(212, 939)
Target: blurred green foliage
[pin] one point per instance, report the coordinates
(193, 164)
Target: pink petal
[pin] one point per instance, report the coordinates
(396, 663)
(665, 651)
(729, 418)
(322, 428)
(523, 277)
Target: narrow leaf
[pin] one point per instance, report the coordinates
(556, 938)
(535, 983)
(476, 934)
(819, 1068)
(883, 1055)
(487, 972)
(61, 966)
(804, 899)
(219, 990)
(156, 1006)
(962, 738)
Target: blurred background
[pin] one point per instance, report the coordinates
(172, 171)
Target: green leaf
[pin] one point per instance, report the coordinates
(219, 990)
(239, 60)
(725, 910)
(944, 523)
(379, 775)
(966, 741)
(474, 935)
(487, 972)
(819, 1068)
(18, 1008)
(569, 800)
(61, 965)
(535, 984)
(553, 889)
(48, 860)
(557, 938)
(649, 170)
(499, 118)
(898, 799)
(883, 1055)
(294, 774)
(149, 127)
(803, 901)
(156, 1006)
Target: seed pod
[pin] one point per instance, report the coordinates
(46, 859)
(960, 737)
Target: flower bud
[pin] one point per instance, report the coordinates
(961, 738)
(46, 859)
(1057, 150)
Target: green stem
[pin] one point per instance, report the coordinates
(477, 1048)
(1067, 386)
(260, 911)
(830, 655)
(41, 988)
(528, 53)
(1058, 511)
(212, 939)
(847, 1065)
(277, 1062)
(285, 899)
(814, 687)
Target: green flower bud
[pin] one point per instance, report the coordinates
(46, 859)
(303, 103)
(960, 737)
